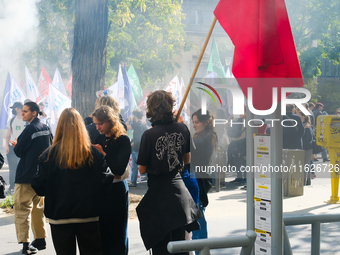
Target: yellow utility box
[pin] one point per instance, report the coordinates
(328, 136)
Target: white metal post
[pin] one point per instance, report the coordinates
(276, 142)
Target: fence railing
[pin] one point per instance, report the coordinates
(205, 245)
(315, 221)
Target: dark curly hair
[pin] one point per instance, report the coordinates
(159, 106)
(209, 128)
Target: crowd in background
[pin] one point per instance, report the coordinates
(88, 160)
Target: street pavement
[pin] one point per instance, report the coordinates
(226, 216)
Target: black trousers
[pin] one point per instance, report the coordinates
(175, 235)
(64, 238)
(113, 220)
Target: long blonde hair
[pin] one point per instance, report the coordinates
(71, 145)
(105, 113)
(109, 101)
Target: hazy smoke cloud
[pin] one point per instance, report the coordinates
(18, 33)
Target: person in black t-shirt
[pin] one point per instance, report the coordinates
(167, 209)
(138, 128)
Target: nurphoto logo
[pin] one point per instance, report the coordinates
(238, 104)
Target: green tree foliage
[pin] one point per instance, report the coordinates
(329, 95)
(315, 21)
(146, 33)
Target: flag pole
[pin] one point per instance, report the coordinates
(196, 68)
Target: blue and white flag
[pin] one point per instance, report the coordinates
(113, 91)
(5, 103)
(58, 82)
(58, 102)
(48, 110)
(31, 89)
(17, 94)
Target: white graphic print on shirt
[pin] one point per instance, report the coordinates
(171, 143)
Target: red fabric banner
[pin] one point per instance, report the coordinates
(69, 86)
(264, 47)
(43, 84)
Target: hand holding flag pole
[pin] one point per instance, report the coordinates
(195, 70)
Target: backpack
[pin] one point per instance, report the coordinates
(2, 181)
(2, 160)
(2, 187)
(235, 131)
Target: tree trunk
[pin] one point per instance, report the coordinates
(89, 53)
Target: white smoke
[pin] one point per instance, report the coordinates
(18, 33)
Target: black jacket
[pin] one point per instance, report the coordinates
(200, 157)
(33, 140)
(117, 153)
(72, 193)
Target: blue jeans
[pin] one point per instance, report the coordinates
(13, 162)
(127, 217)
(203, 232)
(134, 168)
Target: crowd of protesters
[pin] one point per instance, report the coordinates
(57, 176)
(88, 160)
(303, 136)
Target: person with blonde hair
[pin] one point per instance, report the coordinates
(167, 210)
(71, 174)
(115, 145)
(111, 102)
(337, 112)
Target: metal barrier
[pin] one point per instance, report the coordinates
(205, 245)
(315, 221)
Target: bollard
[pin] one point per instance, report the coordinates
(334, 155)
(328, 136)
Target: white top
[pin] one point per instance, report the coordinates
(18, 126)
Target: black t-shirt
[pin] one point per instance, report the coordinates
(163, 146)
(138, 129)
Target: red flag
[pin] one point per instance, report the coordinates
(43, 84)
(69, 86)
(142, 103)
(264, 47)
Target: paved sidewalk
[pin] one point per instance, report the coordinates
(226, 215)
